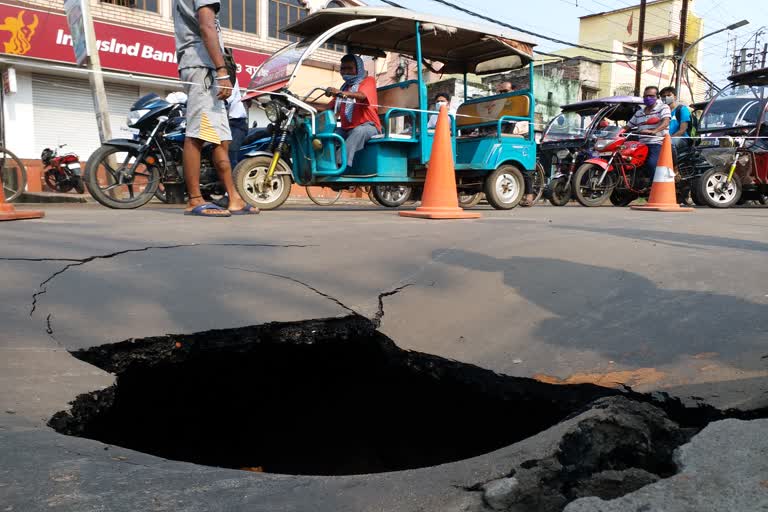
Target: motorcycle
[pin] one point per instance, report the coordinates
(618, 174)
(126, 173)
(560, 187)
(62, 173)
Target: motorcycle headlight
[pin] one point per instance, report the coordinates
(135, 115)
(601, 144)
(272, 110)
(563, 153)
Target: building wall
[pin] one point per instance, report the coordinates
(609, 31)
(554, 85)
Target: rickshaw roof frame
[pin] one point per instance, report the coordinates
(478, 48)
(599, 103)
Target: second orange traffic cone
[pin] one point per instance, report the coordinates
(663, 194)
(440, 199)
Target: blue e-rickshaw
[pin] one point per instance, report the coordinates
(493, 139)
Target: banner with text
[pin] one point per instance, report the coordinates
(39, 34)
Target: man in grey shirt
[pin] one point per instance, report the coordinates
(207, 83)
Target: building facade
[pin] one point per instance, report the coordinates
(617, 31)
(51, 103)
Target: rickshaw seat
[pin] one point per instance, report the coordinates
(487, 111)
(398, 102)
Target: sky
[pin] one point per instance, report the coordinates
(560, 19)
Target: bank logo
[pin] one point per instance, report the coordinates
(21, 33)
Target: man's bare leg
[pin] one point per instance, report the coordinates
(191, 160)
(224, 170)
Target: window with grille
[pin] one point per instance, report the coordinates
(239, 15)
(284, 12)
(144, 5)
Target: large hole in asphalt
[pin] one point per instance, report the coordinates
(321, 397)
(327, 397)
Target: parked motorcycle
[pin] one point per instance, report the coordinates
(618, 173)
(62, 173)
(126, 173)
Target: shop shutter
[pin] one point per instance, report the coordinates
(64, 114)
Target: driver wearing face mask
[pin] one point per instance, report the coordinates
(355, 105)
(441, 99)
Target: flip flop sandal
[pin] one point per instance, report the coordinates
(247, 210)
(200, 211)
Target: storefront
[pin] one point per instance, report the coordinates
(47, 99)
(51, 103)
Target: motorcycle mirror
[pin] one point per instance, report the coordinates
(255, 124)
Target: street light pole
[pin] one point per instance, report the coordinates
(679, 76)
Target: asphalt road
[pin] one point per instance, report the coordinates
(657, 301)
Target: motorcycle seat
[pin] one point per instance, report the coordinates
(256, 134)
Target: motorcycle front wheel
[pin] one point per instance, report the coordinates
(106, 180)
(587, 188)
(52, 183)
(249, 178)
(559, 192)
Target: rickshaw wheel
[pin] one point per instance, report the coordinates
(468, 200)
(249, 176)
(323, 196)
(392, 196)
(504, 187)
(715, 190)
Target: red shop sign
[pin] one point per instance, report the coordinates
(43, 35)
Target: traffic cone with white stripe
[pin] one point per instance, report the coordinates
(663, 194)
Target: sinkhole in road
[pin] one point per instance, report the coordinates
(319, 397)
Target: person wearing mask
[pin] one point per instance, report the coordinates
(356, 105)
(200, 54)
(441, 99)
(504, 87)
(651, 123)
(680, 122)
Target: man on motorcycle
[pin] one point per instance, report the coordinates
(680, 123)
(651, 123)
(202, 70)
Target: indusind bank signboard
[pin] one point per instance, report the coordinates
(39, 34)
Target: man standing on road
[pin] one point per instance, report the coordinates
(651, 123)
(200, 53)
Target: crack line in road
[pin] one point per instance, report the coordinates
(380, 312)
(42, 287)
(302, 283)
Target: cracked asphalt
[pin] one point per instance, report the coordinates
(672, 302)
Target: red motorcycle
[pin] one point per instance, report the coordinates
(62, 173)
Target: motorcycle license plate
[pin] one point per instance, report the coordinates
(709, 143)
(75, 168)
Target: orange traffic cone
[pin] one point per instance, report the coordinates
(663, 195)
(8, 212)
(440, 200)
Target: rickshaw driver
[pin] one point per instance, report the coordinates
(355, 104)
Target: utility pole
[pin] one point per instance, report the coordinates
(640, 42)
(96, 79)
(683, 26)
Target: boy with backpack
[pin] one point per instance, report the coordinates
(682, 123)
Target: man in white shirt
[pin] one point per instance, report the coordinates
(238, 123)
